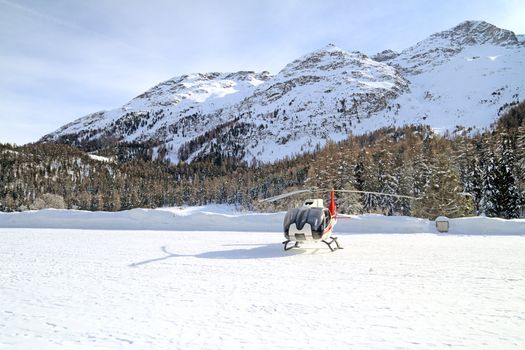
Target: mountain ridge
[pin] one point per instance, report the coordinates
(461, 76)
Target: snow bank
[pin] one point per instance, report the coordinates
(487, 226)
(374, 223)
(227, 218)
(144, 219)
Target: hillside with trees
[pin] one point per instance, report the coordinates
(456, 174)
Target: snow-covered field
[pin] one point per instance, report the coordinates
(82, 289)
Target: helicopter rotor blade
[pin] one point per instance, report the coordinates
(376, 193)
(284, 195)
(317, 190)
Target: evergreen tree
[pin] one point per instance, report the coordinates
(520, 166)
(488, 200)
(444, 194)
(507, 196)
(349, 203)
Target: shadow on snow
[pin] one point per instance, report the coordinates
(274, 250)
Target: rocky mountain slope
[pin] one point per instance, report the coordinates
(462, 76)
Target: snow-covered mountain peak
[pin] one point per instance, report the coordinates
(476, 33)
(331, 60)
(330, 47)
(197, 88)
(330, 69)
(441, 47)
(317, 97)
(385, 55)
(462, 76)
(171, 111)
(325, 58)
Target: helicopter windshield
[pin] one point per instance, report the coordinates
(304, 215)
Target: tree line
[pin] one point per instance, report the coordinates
(456, 174)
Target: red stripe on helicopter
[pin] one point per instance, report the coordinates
(329, 227)
(331, 207)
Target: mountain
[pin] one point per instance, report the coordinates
(170, 113)
(462, 76)
(441, 47)
(319, 96)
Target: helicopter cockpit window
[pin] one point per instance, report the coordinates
(290, 218)
(301, 216)
(326, 217)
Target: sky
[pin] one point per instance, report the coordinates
(63, 59)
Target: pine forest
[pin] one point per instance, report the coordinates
(459, 173)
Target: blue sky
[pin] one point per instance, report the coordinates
(63, 59)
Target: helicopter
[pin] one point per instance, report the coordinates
(313, 222)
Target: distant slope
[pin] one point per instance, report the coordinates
(463, 76)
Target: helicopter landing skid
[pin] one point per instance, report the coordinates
(329, 244)
(286, 247)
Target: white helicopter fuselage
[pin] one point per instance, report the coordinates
(311, 222)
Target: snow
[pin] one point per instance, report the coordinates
(487, 226)
(85, 289)
(192, 219)
(9, 151)
(484, 77)
(212, 277)
(100, 158)
(228, 218)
